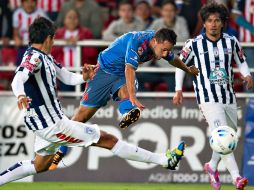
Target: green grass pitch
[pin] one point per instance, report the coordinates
(111, 186)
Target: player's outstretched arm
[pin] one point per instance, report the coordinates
(177, 62)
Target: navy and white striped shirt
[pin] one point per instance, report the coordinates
(40, 71)
(214, 61)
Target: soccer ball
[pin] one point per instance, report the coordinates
(223, 140)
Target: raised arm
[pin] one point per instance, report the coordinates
(71, 78)
(185, 56)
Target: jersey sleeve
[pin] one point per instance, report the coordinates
(30, 64)
(66, 76)
(239, 55)
(186, 54)
(132, 57)
(240, 59)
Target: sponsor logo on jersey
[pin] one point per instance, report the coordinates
(185, 52)
(89, 130)
(216, 52)
(218, 76)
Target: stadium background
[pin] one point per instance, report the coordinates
(162, 125)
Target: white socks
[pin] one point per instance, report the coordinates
(230, 163)
(216, 157)
(18, 171)
(132, 152)
(228, 160)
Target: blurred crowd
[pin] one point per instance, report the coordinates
(108, 19)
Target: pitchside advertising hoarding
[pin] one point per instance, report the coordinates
(161, 126)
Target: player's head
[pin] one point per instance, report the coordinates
(29, 5)
(163, 42)
(42, 31)
(214, 17)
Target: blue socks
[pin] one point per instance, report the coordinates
(125, 106)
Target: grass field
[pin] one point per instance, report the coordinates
(110, 186)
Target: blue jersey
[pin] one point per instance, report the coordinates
(129, 49)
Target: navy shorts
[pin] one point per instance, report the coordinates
(99, 90)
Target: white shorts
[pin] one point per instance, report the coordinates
(65, 132)
(217, 114)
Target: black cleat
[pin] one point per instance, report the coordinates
(129, 118)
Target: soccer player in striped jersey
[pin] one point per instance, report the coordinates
(212, 53)
(34, 85)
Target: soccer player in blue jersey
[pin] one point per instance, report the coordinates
(34, 85)
(213, 52)
(116, 74)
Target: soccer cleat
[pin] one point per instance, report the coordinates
(175, 156)
(213, 175)
(240, 183)
(129, 118)
(58, 157)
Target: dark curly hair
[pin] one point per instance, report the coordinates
(212, 8)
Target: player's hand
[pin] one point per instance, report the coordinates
(178, 98)
(89, 71)
(137, 103)
(23, 102)
(193, 70)
(248, 80)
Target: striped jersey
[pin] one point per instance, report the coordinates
(45, 108)
(246, 9)
(50, 5)
(214, 61)
(22, 20)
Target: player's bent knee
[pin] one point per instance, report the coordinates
(41, 167)
(108, 139)
(42, 164)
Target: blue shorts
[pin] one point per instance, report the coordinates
(99, 90)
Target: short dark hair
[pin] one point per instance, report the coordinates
(165, 34)
(40, 29)
(212, 8)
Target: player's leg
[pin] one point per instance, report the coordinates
(130, 113)
(84, 113)
(26, 168)
(229, 160)
(132, 152)
(215, 116)
(218, 115)
(96, 95)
